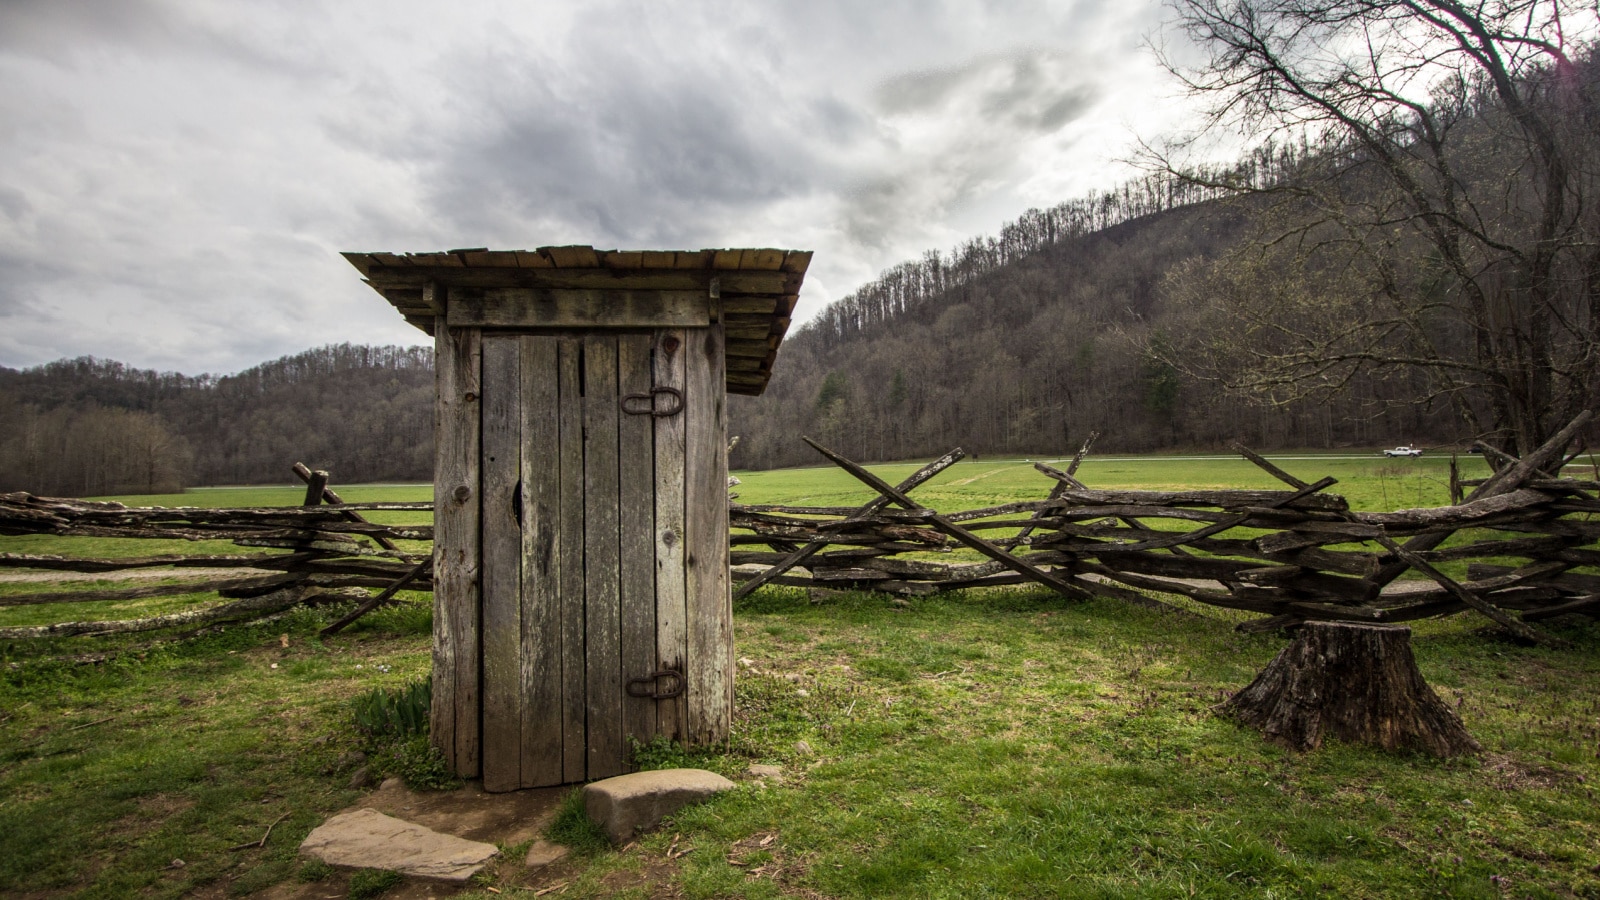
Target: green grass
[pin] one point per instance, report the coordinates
(979, 744)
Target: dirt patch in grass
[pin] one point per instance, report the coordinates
(469, 811)
(1511, 774)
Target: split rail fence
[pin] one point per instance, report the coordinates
(1292, 555)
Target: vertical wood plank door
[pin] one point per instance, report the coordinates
(602, 542)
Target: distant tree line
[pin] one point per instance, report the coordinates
(89, 427)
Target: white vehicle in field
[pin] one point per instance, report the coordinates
(1406, 450)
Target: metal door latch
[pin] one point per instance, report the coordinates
(646, 686)
(645, 404)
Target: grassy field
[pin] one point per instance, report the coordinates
(980, 744)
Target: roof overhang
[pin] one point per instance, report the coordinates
(755, 290)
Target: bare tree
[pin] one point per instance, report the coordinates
(1439, 208)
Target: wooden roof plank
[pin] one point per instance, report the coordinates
(491, 258)
(532, 259)
(623, 259)
(576, 256)
(797, 261)
(746, 348)
(362, 261)
(443, 260)
(726, 259)
(766, 259)
(758, 304)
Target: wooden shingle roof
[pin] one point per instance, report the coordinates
(758, 288)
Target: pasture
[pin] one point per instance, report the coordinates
(1001, 743)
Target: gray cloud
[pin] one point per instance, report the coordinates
(176, 177)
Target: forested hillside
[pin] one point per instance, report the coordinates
(1025, 343)
(87, 427)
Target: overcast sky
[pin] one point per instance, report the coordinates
(177, 177)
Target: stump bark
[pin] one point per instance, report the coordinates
(1358, 683)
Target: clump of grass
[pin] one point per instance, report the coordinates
(393, 725)
(419, 764)
(366, 883)
(314, 870)
(573, 827)
(384, 714)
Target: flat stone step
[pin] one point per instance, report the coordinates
(368, 839)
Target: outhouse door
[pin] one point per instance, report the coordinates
(603, 551)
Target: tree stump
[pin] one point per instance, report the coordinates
(1358, 683)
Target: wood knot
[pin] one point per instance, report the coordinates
(462, 493)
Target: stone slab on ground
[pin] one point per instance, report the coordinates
(638, 802)
(368, 839)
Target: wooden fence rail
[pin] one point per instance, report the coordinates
(1292, 555)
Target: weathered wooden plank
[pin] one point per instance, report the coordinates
(762, 259)
(748, 327)
(636, 503)
(757, 304)
(576, 256)
(709, 672)
(500, 575)
(691, 278)
(455, 716)
(569, 561)
(442, 260)
(748, 349)
(796, 261)
(1463, 515)
(555, 308)
(672, 636)
(602, 565)
(541, 564)
(622, 259)
(1219, 499)
(490, 257)
(316, 484)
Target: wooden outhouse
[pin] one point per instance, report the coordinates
(581, 593)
